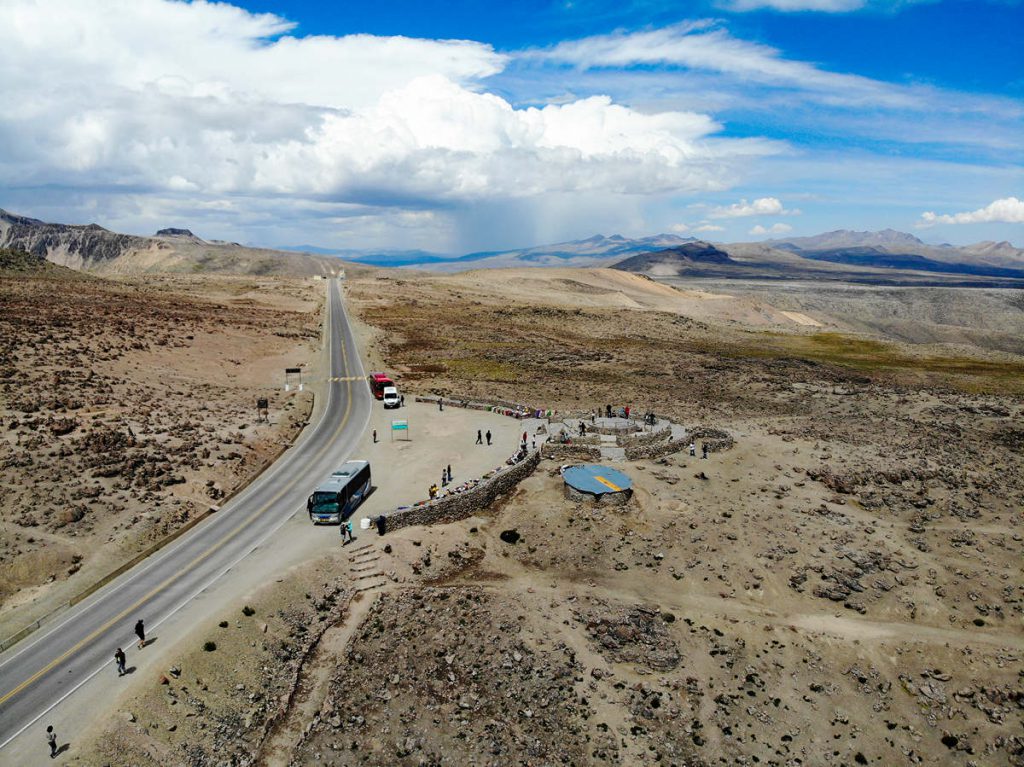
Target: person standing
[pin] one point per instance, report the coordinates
(479, 437)
(488, 436)
(51, 740)
(449, 474)
(140, 632)
(627, 412)
(704, 450)
(120, 660)
(440, 403)
(444, 478)
(375, 436)
(693, 448)
(382, 524)
(401, 400)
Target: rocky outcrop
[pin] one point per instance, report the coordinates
(558, 452)
(75, 246)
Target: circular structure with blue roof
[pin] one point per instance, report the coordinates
(597, 483)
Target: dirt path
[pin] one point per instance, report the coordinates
(313, 686)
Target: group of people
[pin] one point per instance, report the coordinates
(703, 449)
(480, 437)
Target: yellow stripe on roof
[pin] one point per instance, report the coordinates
(606, 483)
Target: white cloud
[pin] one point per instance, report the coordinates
(1008, 210)
(824, 6)
(762, 206)
(828, 6)
(213, 100)
(679, 228)
(773, 229)
(709, 228)
(703, 45)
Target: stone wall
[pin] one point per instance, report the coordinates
(717, 440)
(501, 408)
(644, 438)
(656, 449)
(572, 452)
(459, 506)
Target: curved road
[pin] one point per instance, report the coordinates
(49, 665)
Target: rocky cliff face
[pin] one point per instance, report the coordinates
(95, 249)
(79, 247)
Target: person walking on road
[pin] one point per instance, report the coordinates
(488, 436)
(120, 660)
(375, 436)
(140, 632)
(479, 437)
(51, 740)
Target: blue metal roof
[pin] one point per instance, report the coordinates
(596, 479)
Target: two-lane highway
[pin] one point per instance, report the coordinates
(65, 653)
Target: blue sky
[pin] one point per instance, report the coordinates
(458, 126)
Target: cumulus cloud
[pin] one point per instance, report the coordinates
(210, 99)
(679, 228)
(762, 206)
(709, 228)
(1008, 210)
(773, 229)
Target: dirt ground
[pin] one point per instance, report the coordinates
(128, 407)
(842, 587)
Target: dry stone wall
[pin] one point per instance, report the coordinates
(452, 508)
(573, 452)
(655, 449)
(643, 438)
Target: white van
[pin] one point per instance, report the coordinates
(391, 398)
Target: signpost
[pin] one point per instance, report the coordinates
(262, 409)
(290, 372)
(402, 427)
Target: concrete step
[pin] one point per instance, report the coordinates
(368, 575)
(370, 586)
(370, 566)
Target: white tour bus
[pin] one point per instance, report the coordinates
(339, 495)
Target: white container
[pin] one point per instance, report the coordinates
(364, 523)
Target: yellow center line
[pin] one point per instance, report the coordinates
(195, 562)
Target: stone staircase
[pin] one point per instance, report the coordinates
(364, 572)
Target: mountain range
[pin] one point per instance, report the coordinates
(883, 257)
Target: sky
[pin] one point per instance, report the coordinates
(463, 126)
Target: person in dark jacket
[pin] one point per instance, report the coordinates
(120, 660)
(382, 524)
(140, 632)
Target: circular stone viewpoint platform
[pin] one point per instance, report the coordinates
(596, 483)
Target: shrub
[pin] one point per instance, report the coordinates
(209, 646)
(223, 624)
(247, 611)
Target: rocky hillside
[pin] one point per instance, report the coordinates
(671, 261)
(95, 249)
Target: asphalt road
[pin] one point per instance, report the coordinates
(52, 663)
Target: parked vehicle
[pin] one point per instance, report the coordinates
(378, 382)
(391, 398)
(339, 495)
